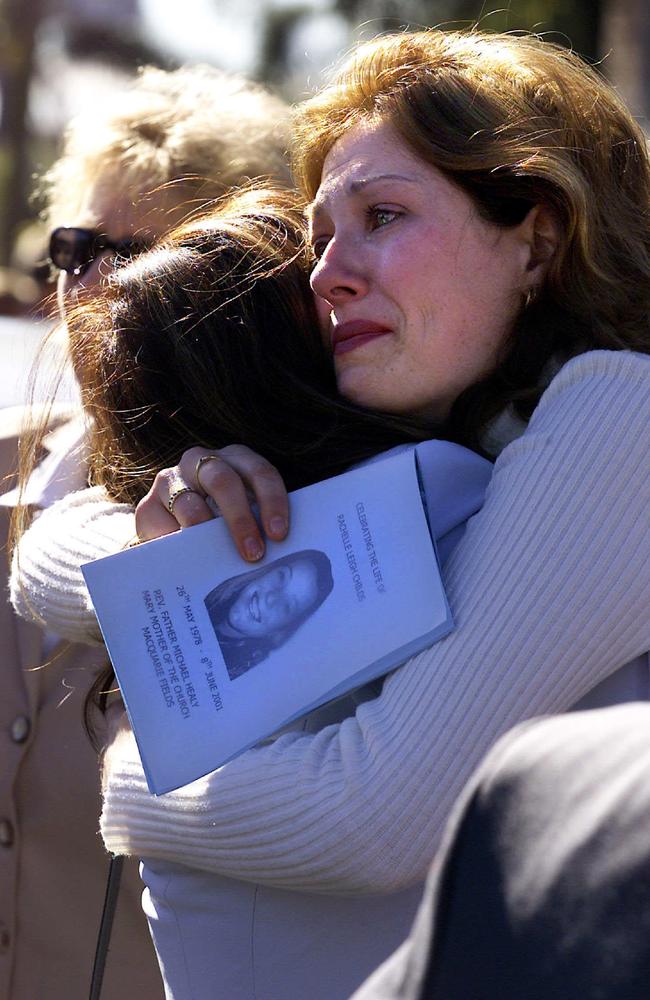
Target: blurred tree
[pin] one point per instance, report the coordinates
(625, 44)
(19, 21)
(278, 26)
(121, 49)
(574, 23)
(569, 22)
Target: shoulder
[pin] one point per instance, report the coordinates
(588, 437)
(627, 365)
(598, 403)
(589, 381)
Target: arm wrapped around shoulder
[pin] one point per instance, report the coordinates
(549, 588)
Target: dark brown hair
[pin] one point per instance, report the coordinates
(210, 339)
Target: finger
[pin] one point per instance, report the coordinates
(168, 505)
(266, 484)
(261, 479)
(152, 519)
(219, 480)
(188, 508)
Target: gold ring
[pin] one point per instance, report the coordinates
(203, 459)
(173, 497)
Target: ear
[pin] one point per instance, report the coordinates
(541, 234)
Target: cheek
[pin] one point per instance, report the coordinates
(278, 619)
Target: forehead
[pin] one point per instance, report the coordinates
(367, 154)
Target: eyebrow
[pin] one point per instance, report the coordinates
(365, 182)
(355, 187)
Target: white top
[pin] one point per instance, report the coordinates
(549, 588)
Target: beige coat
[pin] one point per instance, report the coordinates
(52, 863)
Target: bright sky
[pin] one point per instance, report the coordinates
(224, 30)
(202, 28)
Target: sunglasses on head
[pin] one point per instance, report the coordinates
(73, 249)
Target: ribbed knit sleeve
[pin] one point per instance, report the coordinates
(46, 582)
(549, 588)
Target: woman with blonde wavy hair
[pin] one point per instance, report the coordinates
(480, 225)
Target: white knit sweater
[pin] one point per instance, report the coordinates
(549, 589)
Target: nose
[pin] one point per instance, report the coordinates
(272, 596)
(338, 276)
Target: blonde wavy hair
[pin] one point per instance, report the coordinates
(198, 130)
(515, 122)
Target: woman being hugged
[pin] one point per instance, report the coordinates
(481, 226)
(213, 335)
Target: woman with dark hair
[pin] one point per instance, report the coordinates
(480, 228)
(210, 335)
(255, 613)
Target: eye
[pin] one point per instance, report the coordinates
(280, 577)
(379, 217)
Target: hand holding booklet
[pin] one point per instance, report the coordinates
(213, 654)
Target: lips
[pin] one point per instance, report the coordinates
(347, 336)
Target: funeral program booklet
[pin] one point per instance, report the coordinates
(213, 654)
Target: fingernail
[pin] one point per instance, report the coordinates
(277, 526)
(253, 549)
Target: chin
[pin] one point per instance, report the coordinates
(364, 392)
(386, 397)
